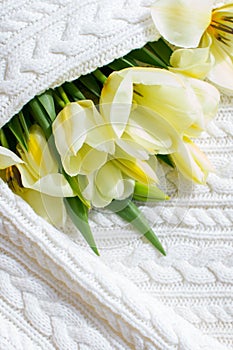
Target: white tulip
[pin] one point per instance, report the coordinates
(38, 180)
(207, 35)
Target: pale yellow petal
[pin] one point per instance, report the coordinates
(221, 73)
(50, 208)
(92, 193)
(152, 131)
(99, 135)
(86, 161)
(116, 100)
(109, 181)
(134, 149)
(8, 158)
(53, 185)
(182, 22)
(128, 188)
(208, 98)
(27, 178)
(38, 158)
(69, 128)
(191, 162)
(195, 62)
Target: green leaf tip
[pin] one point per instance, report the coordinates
(78, 213)
(148, 193)
(128, 211)
(47, 101)
(16, 128)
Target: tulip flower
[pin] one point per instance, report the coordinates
(160, 110)
(82, 138)
(154, 107)
(192, 162)
(195, 24)
(35, 177)
(106, 166)
(115, 180)
(105, 184)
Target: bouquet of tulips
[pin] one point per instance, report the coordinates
(96, 142)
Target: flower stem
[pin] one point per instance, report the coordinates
(100, 76)
(3, 139)
(59, 101)
(40, 116)
(128, 211)
(73, 91)
(24, 124)
(63, 95)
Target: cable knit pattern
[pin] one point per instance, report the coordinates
(54, 293)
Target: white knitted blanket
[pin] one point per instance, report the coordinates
(56, 294)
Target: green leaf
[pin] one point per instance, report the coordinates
(74, 184)
(166, 159)
(146, 56)
(63, 95)
(128, 211)
(122, 63)
(47, 101)
(3, 139)
(99, 76)
(24, 125)
(16, 129)
(151, 193)
(161, 49)
(78, 213)
(40, 116)
(73, 91)
(91, 84)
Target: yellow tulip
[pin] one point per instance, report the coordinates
(154, 107)
(82, 138)
(192, 162)
(206, 33)
(182, 22)
(106, 165)
(36, 178)
(115, 179)
(105, 184)
(221, 32)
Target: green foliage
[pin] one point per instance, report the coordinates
(128, 211)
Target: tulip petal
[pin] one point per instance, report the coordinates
(153, 132)
(86, 161)
(54, 185)
(193, 62)
(50, 208)
(222, 72)
(8, 158)
(208, 97)
(182, 22)
(116, 100)
(38, 157)
(128, 188)
(192, 162)
(91, 192)
(132, 148)
(27, 178)
(69, 128)
(153, 89)
(51, 184)
(98, 133)
(109, 181)
(101, 138)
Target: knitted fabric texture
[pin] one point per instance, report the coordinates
(54, 292)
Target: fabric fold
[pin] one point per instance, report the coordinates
(141, 320)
